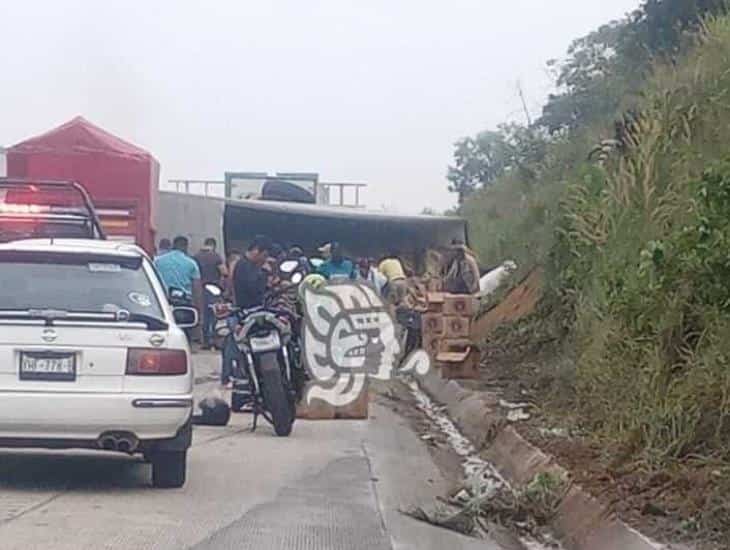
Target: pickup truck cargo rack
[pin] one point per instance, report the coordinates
(31, 219)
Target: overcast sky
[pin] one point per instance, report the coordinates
(372, 91)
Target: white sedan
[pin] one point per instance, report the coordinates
(92, 355)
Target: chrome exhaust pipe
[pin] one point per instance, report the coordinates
(108, 443)
(127, 444)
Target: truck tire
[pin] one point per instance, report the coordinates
(168, 469)
(276, 395)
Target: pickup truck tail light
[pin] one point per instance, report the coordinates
(156, 362)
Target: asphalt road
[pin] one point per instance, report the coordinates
(331, 485)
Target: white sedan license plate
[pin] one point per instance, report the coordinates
(48, 366)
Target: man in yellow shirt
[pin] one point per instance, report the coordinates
(395, 289)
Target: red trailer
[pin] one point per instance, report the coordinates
(121, 178)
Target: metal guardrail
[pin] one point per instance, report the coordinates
(341, 186)
(183, 186)
(189, 185)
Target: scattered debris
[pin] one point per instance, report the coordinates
(454, 519)
(507, 405)
(462, 496)
(556, 432)
(486, 501)
(517, 415)
(476, 469)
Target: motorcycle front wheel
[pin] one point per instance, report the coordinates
(276, 394)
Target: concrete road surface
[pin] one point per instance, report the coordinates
(331, 485)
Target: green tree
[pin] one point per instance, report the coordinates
(661, 24)
(480, 160)
(527, 149)
(609, 65)
(594, 78)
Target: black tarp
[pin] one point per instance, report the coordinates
(281, 190)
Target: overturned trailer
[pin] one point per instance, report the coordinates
(361, 232)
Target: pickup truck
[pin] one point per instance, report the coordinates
(40, 208)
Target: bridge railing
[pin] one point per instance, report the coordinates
(345, 194)
(207, 188)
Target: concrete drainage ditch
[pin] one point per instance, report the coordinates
(482, 481)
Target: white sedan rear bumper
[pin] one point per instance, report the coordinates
(85, 416)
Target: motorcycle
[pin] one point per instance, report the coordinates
(263, 369)
(294, 271)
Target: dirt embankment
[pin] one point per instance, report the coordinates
(518, 303)
(520, 363)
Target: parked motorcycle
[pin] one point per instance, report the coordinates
(263, 370)
(294, 271)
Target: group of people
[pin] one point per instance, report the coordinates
(190, 274)
(460, 271)
(246, 277)
(388, 276)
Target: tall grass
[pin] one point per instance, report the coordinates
(652, 334)
(515, 218)
(639, 249)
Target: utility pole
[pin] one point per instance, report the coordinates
(524, 103)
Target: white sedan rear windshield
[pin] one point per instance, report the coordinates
(75, 284)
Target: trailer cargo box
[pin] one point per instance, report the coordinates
(121, 178)
(361, 233)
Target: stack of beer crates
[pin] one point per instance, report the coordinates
(446, 330)
(318, 409)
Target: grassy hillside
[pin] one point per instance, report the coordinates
(643, 245)
(638, 257)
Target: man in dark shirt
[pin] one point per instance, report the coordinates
(212, 270)
(249, 280)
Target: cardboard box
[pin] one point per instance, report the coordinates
(321, 410)
(461, 305)
(457, 327)
(358, 409)
(450, 345)
(435, 301)
(432, 344)
(460, 371)
(317, 410)
(432, 323)
(459, 365)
